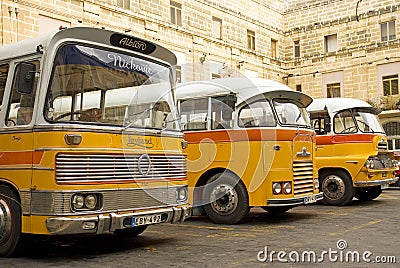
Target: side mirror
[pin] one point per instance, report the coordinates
(25, 77)
(327, 124)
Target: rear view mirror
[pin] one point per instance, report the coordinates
(25, 76)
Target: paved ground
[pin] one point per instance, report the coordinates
(369, 230)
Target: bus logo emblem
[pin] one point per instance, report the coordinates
(144, 164)
(303, 153)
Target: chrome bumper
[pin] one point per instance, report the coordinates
(100, 224)
(375, 183)
(295, 201)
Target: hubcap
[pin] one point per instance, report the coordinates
(5, 221)
(333, 187)
(224, 199)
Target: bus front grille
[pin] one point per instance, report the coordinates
(303, 178)
(90, 168)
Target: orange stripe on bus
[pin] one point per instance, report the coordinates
(243, 135)
(348, 138)
(21, 158)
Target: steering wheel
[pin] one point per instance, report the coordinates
(250, 123)
(12, 121)
(84, 116)
(349, 129)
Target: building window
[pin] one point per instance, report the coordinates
(125, 4)
(388, 31)
(330, 43)
(251, 40)
(298, 88)
(296, 49)
(176, 13)
(274, 48)
(390, 85)
(217, 28)
(333, 90)
(392, 130)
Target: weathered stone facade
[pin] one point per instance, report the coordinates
(357, 63)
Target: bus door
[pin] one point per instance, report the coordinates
(17, 152)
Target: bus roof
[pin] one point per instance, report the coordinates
(244, 88)
(333, 105)
(95, 35)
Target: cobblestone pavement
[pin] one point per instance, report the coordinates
(369, 230)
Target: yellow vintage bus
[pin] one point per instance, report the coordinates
(90, 141)
(352, 154)
(250, 143)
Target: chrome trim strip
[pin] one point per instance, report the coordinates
(58, 203)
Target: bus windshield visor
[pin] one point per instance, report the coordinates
(291, 113)
(96, 86)
(367, 120)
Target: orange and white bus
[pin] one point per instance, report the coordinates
(250, 143)
(90, 141)
(352, 154)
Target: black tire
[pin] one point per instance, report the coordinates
(368, 193)
(225, 199)
(10, 221)
(134, 231)
(337, 187)
(276, 210)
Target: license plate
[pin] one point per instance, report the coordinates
(310, 199)
(145, 220)
(384, 186)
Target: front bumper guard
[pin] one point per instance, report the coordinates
(101, 223)
(376, 182)
(308, 199)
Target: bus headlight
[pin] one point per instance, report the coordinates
(276, 187)
(90, 201)
(287, 187)
(86, 201)
(369, 164)
(395, 163)
(78, 201)
(316, 183)
(181, 194)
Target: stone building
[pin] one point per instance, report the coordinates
(326, 48)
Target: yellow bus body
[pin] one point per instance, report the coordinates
(249, 162)
(344, 155)
(89, 135)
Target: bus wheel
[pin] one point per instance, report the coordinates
(276, 210)
(368, 193)
(134, 231)
(225, 199)
(337, 188)
(10, 221)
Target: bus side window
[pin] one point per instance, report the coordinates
(20, 107)
(194, 114)
(3, 80)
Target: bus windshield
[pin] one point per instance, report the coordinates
(367, 120)
(97, 86)
(291, 113)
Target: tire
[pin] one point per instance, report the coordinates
(337, 187)
(10, 221)
(368, 193)
(276, 210)
(225, 199)
(134, 231)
